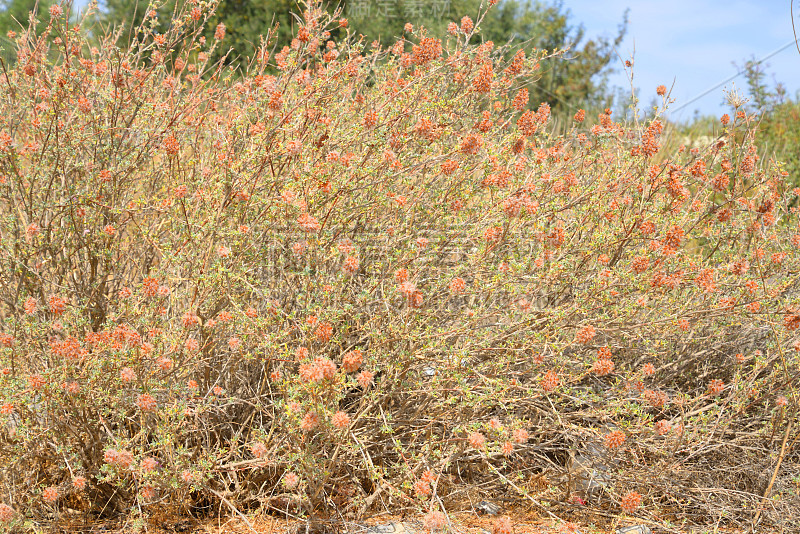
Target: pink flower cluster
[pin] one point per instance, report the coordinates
(318, 370)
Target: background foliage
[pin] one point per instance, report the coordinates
(574, 81)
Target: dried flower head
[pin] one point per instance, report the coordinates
(630, 502)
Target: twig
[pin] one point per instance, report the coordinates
(11, 90)
(525, 494)
(794, 31)
(234, 509)
(774, 473)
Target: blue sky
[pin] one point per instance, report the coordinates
(694, 42)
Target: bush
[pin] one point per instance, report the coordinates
(780, 135)
(342, 284)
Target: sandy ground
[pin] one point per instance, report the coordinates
(460, 523)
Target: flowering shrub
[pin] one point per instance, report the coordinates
(347, 273)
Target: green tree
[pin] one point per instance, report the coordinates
(762, 97)
(245, 20)
(779, 135)
(127, 13)
(577, 81)
(14, 14)
(779, 127)
(566, 84)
